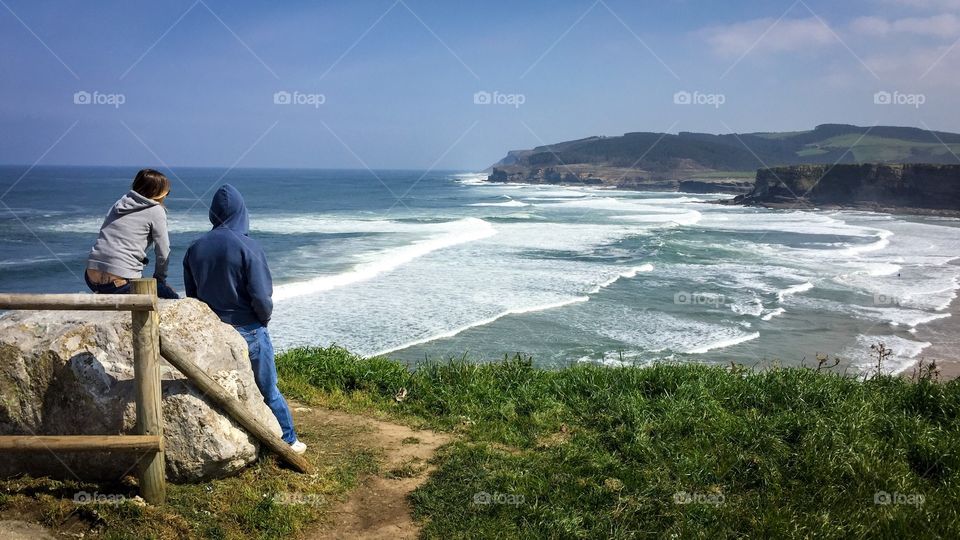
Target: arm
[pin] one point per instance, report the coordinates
(260, 285)
(158, 232)
(188, 282)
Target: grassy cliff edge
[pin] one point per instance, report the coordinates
(590, 451)
(581, 452)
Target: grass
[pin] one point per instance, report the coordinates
(581, 452)
(264, 501)
(872, 149)
(679, 450)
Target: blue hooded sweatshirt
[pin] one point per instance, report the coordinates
(226, 269)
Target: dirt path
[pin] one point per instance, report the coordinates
(378, 507)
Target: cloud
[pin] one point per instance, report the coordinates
(949, 5)
(944, 25)
(931, 67)
(768, 35)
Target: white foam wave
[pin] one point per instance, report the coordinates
(774, 313)
(724, 343)
(472, 179)
(631, 273)
(483, 322)
(753, 307)
(883, 240)
(511, 204)
(794, 289)
(905, 353)
(665, 218)
(458, 232)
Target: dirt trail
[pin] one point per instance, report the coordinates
(378, 507)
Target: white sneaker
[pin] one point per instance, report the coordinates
(298, 447)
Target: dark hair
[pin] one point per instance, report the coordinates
(151, 183)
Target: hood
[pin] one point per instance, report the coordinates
(133, 202)
(228, 210)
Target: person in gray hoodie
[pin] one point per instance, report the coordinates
(136, 221)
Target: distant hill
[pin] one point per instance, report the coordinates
(643, 159)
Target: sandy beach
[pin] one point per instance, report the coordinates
(944, 336)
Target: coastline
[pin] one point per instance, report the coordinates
(944, 337)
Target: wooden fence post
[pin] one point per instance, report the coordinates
(146, 369)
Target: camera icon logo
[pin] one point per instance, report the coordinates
(683, 98)
(482, 497)
(482, 98)
(881, 299)
(882, 497)
(882, 98)
(82, 98)
(82, 497)
(282, 98)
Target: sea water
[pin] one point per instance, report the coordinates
(432, 265)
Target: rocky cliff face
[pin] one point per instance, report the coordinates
(617, 177)
(71, 373)
(921, 186)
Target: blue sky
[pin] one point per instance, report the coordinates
(397, 79)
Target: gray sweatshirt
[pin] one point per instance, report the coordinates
(134, 222)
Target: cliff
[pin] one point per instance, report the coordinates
(872, 185)
(717, 163)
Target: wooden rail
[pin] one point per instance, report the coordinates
(178, 358)
(79, 302)
(81, 443)
(147, 347)
(146, 366)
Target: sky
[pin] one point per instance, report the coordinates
(418, 84)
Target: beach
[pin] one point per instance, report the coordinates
(944, 338)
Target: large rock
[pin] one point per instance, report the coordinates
(71, 373)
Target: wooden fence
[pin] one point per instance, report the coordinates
(148, 439)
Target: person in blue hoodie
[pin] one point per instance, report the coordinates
(227, 270)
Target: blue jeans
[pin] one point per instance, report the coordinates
(163, 290)
(265, 374)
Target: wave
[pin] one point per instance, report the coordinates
(458, 232)
(724, 343)
(511, 204)
(691, 217)
(794, 289)
(483, 322)
(775, 313)
(883, 240)
(471, 179)
(753, 307)
(631, 273)
(905, 353)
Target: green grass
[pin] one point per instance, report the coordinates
(594, 452)
(875, 149)
(746, 175)
(265, 501)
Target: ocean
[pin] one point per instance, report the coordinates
(429, 265)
